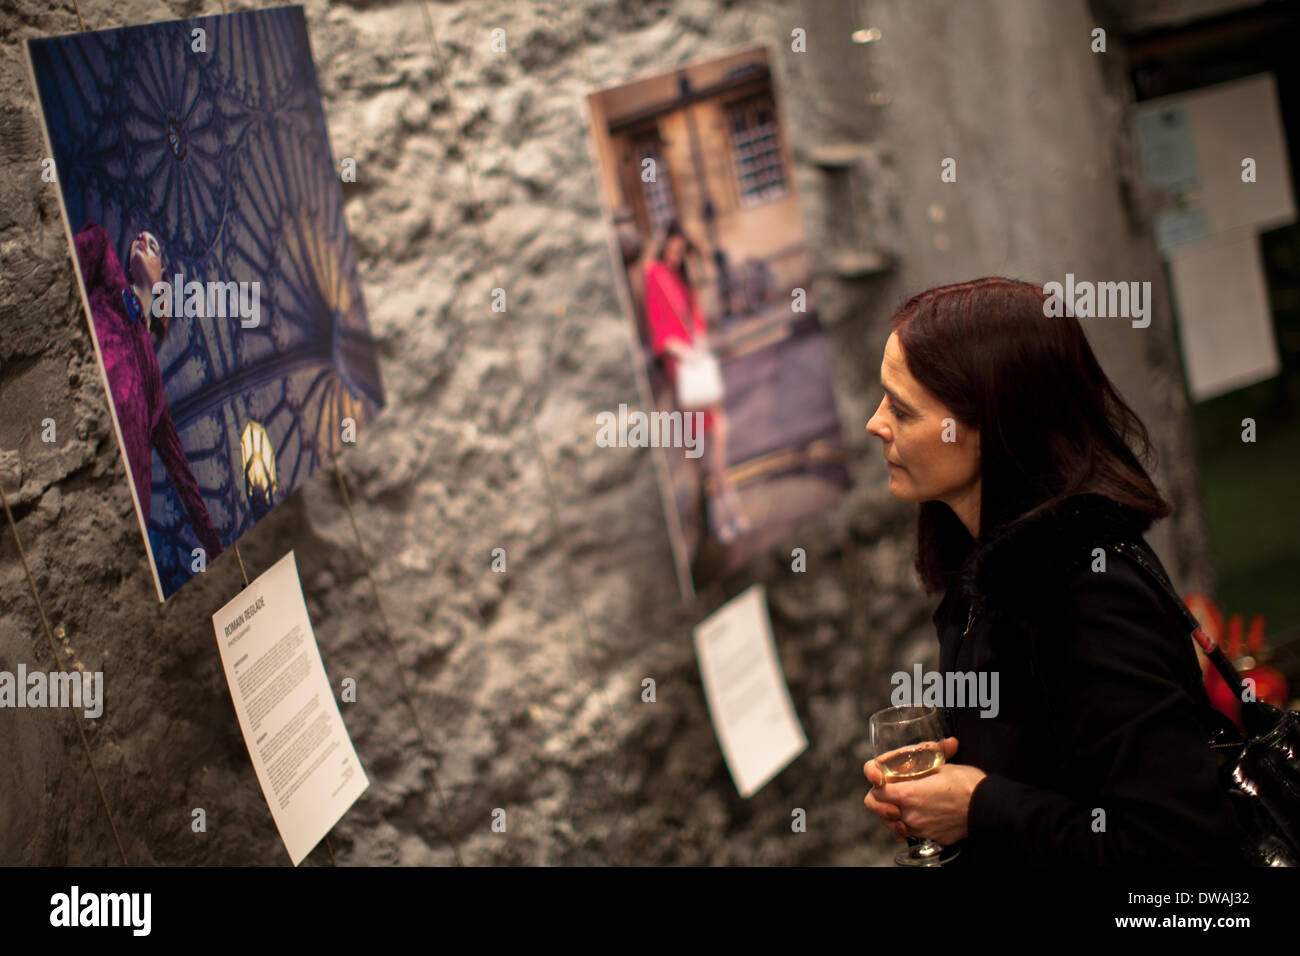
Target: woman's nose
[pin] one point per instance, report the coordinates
(876, 424)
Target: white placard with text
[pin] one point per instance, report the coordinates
(301, 751)
(745, 688)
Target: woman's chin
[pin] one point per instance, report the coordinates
(900, 488)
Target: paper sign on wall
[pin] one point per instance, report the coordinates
(748, 700)
(1195, 147)
(1223, 314)
(305, 762)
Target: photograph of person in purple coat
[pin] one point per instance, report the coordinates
(221, 288)
(126, 328)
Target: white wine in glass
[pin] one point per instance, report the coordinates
(911, 763)
(908, 742)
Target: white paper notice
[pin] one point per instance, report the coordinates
(305, 762)
(1194, 145)
(745, 689)
(1224, 318)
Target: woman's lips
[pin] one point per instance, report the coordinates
(892, 464)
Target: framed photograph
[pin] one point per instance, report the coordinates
(707, 237)
(205, 214)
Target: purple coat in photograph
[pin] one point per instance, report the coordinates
(135, 381)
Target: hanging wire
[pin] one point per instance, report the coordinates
(49, 637)
(407, 697)
(78, 718)
(552, 498)
(557, 523)
(592, 82)
(240, 559)
(244, 575)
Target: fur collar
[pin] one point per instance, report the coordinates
(1019, 568)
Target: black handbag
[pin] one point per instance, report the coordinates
(1261, 772)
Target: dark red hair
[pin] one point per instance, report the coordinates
(1050, 422)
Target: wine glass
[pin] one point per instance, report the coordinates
(908, 742)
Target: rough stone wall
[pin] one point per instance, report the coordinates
(527, 684)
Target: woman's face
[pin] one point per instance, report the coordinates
(912, 429)
(145, 263)
(674, 249)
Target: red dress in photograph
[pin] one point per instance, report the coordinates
(671, 313)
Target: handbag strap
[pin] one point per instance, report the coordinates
(1206, 643)
(1135, 552)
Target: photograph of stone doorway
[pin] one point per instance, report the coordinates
(708, 237)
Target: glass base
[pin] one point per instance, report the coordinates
(926, 853)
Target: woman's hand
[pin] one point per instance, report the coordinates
(678, 348)
(935, 807)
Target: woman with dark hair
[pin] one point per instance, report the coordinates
(677, 328)
(126, 328)
(1000, 423)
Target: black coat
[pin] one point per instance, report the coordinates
(1101, 702)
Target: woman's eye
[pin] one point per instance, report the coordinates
(893, 409)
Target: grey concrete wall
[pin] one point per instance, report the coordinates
(527, 684)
